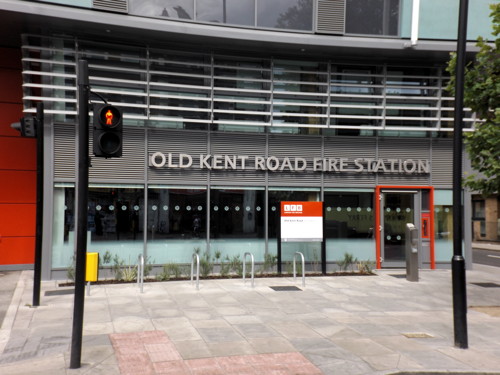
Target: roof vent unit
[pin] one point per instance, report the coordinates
(120, 6)
(330, 18)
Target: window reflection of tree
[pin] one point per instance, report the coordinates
(297, 17)
(175, 12)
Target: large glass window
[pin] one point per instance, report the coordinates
(285, 14)
(237, 222)
(114, 225)
(241, 12)
(372, 17)
(443, 225)
(63, 229)
(311, 250)
(181, 9)
(349, 222)
(176, 223)
(115, 221)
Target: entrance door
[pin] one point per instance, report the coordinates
(397, 209)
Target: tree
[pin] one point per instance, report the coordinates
(482, 95)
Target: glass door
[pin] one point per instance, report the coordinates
(397, 209)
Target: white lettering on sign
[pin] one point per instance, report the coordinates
(289, 164)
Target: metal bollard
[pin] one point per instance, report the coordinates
(412, 244)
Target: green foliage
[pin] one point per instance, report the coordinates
(289, 268)
(482, 95)
(206, 263)
(116, 268)
(269, 263)
(316, 261)
(237, 265)
(347, 262)
(170, 270)
(129, 273)
(148, 266)
(70, 272)
(365, 266)
(106, 259)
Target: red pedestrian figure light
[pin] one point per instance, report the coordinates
(109, 117)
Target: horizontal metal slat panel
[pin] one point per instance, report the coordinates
(238, 144)
(307, 147)
(404, 148)
(174, 141)
(126, 168)
(331, 17)
(111, 5)
(442, 163)
(351, 148)
(64, 151)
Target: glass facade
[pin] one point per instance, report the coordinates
(349, 223)
(191, 90)
(115, 222)
(177, 223)
(172, 222)
(237, 221)
(372, 17)
(217, 100)
(443, 225)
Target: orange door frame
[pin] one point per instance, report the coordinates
(378, 224)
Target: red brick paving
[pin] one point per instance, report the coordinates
(152, 353)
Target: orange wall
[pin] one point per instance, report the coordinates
(17, 169)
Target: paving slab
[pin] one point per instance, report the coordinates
(354, 325)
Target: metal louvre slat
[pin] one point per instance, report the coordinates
(144, 84)
(111, 5)
(126, 168)
(64, 151)
(173, 141)
(238, 144)
(292, 146)
(404, 148)
(351, 148)
(331, 17)
(442, 161)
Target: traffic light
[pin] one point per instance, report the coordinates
(108, 131)
(27, 126)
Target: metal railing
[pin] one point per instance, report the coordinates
(140, 273)
(197, 257)
(303, 267)
(244, 267)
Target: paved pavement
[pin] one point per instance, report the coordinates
(379, 324)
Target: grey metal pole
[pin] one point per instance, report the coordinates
(458, 261)
(39, 204)
(81, 224)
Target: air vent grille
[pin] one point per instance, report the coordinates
(331, 17)
(120, 6)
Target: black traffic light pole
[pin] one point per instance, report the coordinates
(39, 205)
(458, 262)
(81, 223)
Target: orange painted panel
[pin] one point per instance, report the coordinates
(17, 186)
(11, 89)
(17, 220)
(18, 153)
(17, 250)
(11, 58)
(9, 113)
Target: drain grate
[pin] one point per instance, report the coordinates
(287, 288)
(418, 335)
(59, 292)
(487, 285)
